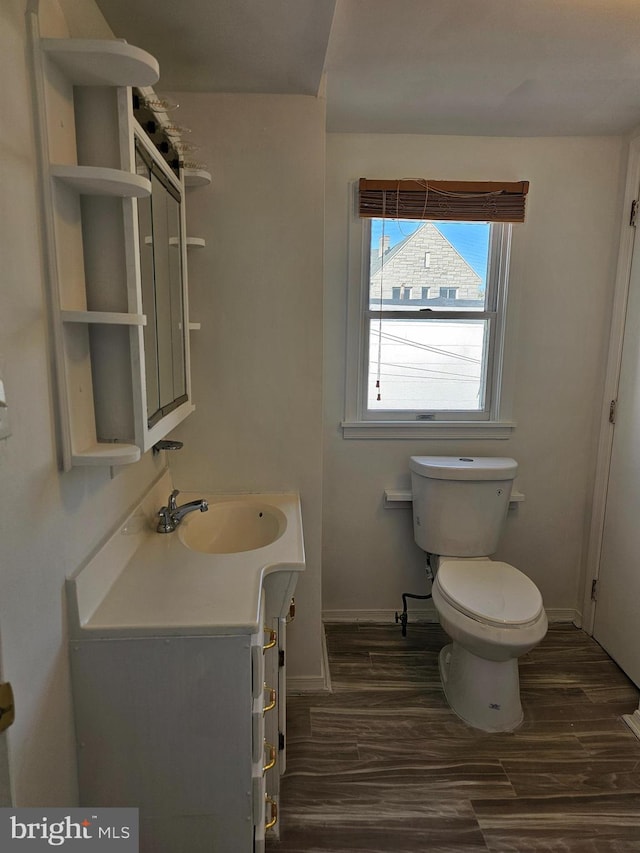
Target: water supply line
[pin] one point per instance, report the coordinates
(403, 617)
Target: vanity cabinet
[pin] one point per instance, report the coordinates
(189, 729)
(91, 187)
(165, 725)
(178, 675)
(176, 726)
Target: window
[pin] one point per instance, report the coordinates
(448, 292)
(425, 353)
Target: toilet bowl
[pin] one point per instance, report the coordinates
(491, 610)
(493, 614)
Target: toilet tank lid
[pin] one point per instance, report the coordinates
(464, 467)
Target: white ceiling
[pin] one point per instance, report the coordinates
(472, 67)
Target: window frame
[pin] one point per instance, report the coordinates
(359, 421)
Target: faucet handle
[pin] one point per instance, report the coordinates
(165, 524)
(171, 504)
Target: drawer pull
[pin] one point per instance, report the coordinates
(273, 754)
(273, 699)
(292, 611)
(271, 822)
(273, 638)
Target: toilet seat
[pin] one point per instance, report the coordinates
(490, 592)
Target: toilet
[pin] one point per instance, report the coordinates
(492, 612)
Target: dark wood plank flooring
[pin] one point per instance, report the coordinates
(382, 764)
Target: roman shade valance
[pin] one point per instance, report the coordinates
(419, 198)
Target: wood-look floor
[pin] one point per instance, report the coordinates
(383, 764)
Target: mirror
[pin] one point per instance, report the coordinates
(161, 268)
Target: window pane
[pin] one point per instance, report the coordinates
(427, 365)
(416, 265)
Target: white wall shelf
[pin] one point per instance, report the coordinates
(104, 317)
(196, 177)
(96, 180)
(106, 454)
(190, 242)
(91, 62)
(402, 498)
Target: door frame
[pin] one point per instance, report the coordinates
(611, 383)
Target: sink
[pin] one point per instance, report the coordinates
(230, 527)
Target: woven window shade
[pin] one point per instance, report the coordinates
(469, 201)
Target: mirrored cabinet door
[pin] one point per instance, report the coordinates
(161, 267)
(147, 276)
(179, 379)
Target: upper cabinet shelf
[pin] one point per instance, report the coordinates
(89, 62)
(99, 180)
(106, 454)
(107, 318)
(196, 177)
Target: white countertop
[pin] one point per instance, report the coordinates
(164, 588)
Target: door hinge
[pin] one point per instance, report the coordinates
(594, 589)
(634, 212)
(7, 709)
(612, 411)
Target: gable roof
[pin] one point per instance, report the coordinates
(376, 262)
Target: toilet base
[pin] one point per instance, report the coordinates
(483, 693)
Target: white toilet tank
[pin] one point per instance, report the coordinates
(460, 503)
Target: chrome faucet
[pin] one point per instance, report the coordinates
(171, 515)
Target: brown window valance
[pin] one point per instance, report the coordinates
(418, 198)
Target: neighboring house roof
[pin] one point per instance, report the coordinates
(376, 261)
(449, 266)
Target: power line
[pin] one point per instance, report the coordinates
(426, 369)
(418, 345)
(408, 378)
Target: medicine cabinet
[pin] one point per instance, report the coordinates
(114, 226)
(161, 240)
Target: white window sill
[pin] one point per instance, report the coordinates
(428, 429)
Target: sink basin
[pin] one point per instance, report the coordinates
(230, 527)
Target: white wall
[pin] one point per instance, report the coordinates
(561, 285)
(257, 291)
(49, 522)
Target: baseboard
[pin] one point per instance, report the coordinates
(306, 684)
(564, 614)
(326, 669)
(633, 721)
(428, 614)
(313, 683)
(417, 614)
